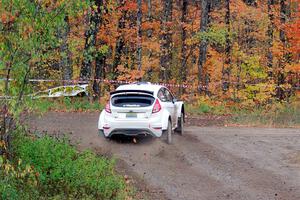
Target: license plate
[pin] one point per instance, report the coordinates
(131, 115)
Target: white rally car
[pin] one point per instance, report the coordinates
(142, 108)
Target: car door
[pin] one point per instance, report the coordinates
(170, 105)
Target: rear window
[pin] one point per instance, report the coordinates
(132, 100)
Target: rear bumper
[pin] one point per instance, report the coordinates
(151, 126)
(132, 132)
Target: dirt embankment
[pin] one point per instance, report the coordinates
(206, 163)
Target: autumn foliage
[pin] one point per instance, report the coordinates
(247, 51)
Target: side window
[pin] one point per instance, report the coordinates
(168, 95)
(161, 95)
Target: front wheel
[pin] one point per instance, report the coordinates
(167, 134)
(180, 124)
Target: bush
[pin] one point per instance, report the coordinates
(17, 181)
(206, 106)
(276, 114)
(59, 171)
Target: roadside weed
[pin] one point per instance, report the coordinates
(48, 168)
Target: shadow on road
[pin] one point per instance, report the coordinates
(125, 139)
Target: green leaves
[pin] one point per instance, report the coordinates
(252, 68)
(28, 39)
(103, 50)
(214, 35)
(64, 171)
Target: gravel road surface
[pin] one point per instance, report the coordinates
(206, 163)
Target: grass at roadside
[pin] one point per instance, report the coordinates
(74, 104)
(270, 115)
(274, 115)
(48, 168)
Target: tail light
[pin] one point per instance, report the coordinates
(107, 107)
(156, 107)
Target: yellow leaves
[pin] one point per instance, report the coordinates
(192, 41)
(27, 30)
(19, 171)
(256, 94)
(94, 7)
(2, 144)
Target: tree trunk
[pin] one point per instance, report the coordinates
(149, 71)
(183, 59)
(284, 12)
(90, 41)
(204, 23)
(227, 65)
(149, 17)
(270, 35)
(65, 62)
(119, 42)
(5, 117)
(166, 41)
(139, 35)
(99, 72)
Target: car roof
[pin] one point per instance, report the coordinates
(146, 86)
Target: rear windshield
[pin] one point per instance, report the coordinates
(132, 100)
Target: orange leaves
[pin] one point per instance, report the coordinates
(293, 32)
(150, 45)
(155, 25)
(293, 68)
(7, 18)
(238, 6)
(4, 18)
(130, 6)
(129, 74)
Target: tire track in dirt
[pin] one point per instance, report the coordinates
(240, 174)
(194, 167)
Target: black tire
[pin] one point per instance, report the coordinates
(180, 124)
(81, 94)
(167, 134)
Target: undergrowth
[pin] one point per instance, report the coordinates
(48, 168)
(278, 114)
(76, 104)
(274, 114)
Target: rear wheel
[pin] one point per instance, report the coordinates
(180, 124)
(167, 134)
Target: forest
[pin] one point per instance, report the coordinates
(243, 50)
(236, 59)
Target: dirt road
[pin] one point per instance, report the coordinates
(206, 163)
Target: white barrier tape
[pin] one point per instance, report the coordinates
(98, 80)
(129, 82)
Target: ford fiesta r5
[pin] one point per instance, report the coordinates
(142, 108)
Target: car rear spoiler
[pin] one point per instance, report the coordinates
(132, 91)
